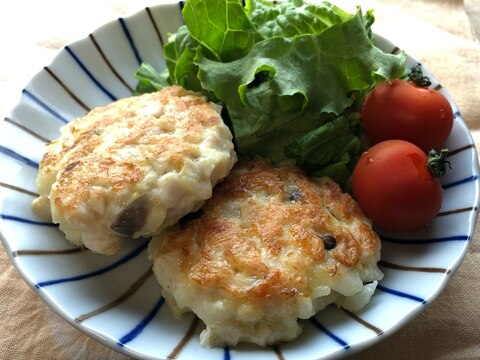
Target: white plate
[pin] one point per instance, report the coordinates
(116, 299)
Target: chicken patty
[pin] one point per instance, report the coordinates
(133, 167)
(271, 246)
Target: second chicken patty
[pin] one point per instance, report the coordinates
(270, 247)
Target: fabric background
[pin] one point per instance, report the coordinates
(443, 34)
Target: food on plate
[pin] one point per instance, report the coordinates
(408, 110)
(291, 75)
(133, 167)
(397, 185)
(270, 247)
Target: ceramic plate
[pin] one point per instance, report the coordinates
(116, 299)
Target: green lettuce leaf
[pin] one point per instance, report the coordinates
(291, 76)
(293, 18)
(287, 86)
(149, 79)
(329, 150)
(179, 56)
(221, 27)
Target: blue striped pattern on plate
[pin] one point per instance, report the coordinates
(116, 299)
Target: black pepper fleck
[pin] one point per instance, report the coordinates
(329, 241)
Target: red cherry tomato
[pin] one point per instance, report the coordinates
(393, 186)
(402, 110)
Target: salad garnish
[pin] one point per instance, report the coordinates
(291, 76)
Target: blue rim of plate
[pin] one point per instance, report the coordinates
(54, 97)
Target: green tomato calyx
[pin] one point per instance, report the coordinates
(437, 163)
(416, 76)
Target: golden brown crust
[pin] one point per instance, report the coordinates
(168, 148)
(267, 224)
(115, 172)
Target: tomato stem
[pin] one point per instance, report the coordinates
(416, 76)
(436, 163)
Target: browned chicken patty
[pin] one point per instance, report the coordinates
(133, 167)
(269, 247)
